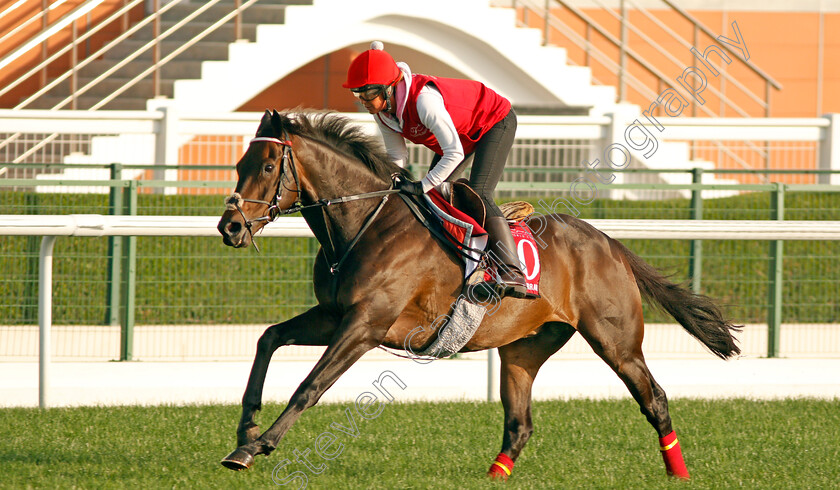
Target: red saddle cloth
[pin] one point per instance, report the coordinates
(526, 246)
(529, 257)
(457, 230)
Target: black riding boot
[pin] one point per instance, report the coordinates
(502, 253)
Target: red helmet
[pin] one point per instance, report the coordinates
(373, 67)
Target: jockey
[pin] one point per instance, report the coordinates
(455, 119)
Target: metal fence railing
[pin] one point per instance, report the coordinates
(169, 286)
(544, 145)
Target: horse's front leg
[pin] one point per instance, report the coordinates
(314, 327)
(356, 335)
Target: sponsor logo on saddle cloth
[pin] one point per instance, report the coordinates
(529, 256)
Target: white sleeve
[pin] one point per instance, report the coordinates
(394, 144)
(433, 115)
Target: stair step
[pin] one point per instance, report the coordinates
(86, 102)
(283, 3)
(143, 88)
(175, 69)
(263, 14)
(204, 50)
(225, 32)
(551, 110)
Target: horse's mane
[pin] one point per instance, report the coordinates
(340, 134)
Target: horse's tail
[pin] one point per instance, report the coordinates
(697, 313)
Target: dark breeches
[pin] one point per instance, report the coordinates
(488, 161)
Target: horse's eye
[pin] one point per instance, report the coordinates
(269, 168)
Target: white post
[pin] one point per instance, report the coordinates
(830, 150)
(44, 316)
(166, 140)
(622, 115)
(492, 379)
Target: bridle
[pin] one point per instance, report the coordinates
(273, 211)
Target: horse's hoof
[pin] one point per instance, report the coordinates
(238, 460)
(500, 469)
(248, 435)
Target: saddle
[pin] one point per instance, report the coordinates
(465, 206)
(466, 199)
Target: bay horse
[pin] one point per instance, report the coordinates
(379, 274)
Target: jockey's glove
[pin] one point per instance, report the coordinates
(411, 187)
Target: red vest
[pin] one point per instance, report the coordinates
(473, 107)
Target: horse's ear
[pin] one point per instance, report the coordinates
(276, 122)
(265, 123)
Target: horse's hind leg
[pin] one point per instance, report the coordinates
(313, 327)
(619, 344)
(521, 360)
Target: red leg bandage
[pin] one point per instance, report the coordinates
(501, 468)
(672, 455)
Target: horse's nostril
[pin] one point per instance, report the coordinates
(233, 228)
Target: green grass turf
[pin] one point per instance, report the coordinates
(576, 444)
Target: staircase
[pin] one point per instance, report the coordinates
(213, 45)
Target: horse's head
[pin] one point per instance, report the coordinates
(267, 184)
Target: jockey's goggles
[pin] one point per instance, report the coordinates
(368, 92)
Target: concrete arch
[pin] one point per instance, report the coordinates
(460, 50)
(481, 44)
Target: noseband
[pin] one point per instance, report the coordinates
(273, 211)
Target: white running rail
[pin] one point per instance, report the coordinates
(94, 225)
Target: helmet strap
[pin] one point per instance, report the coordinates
(388, 91)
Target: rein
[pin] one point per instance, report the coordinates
(235, 200)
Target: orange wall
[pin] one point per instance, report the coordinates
(784, 45)
(307, 87)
